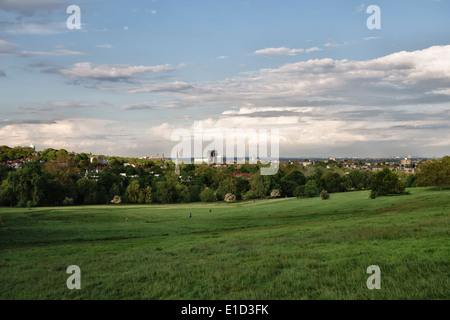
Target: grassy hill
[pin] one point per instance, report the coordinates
(269, 249)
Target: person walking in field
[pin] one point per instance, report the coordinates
(190, 215)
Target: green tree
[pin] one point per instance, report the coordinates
(207, 195)
(7, 196)
(64, 171)
(242, 186)
(88, 192)
(194, 192)
(299, 191)
(291, 181)
(385, 183)
(4, 170)
(260, 185)
(28, 184)
(411, 181)
(165, 192)
(434, 172)
(145, 195)
(113, 191)
(311, 190)
(132, 192)
(324, 195)
(358, 179)
(227, 185)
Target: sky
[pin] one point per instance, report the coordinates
(138, 71)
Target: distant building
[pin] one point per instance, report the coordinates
(405, 162)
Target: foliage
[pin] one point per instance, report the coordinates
(29, 186)
(132, 192)
(260, 185)
(386, 183)
(434, 173)
(88, 191)
(165, 191)
(311, 191)
(67, 201)
(116, 200)
(290, 181)
(275, 193)
(226, 185)
(299, 191)
(324, 195)
(207, 195)
(229, 197)
(250, 194)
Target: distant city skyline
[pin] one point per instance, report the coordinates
(137, 71)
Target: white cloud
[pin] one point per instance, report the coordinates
(87, 70)
(55, 53)
(36, 28)
(283, 51)
(371, 38)
(177, 86)
(9, 48)
(79, 134)
(104, 46)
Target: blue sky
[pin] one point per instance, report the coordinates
(138, 70)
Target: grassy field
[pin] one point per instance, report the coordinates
(269, 249)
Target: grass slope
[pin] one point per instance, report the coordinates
(272, 249)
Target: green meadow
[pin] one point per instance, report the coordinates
(287, 249)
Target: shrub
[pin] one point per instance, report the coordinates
(324, 195)
(116, 200)
(275, 193)
(207, 195)
(249, 195)
(67, 201)
(229, 197)
(386, 183)
(311, 191)
(299, 191)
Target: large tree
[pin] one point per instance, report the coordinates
(132, 192)
(260, 185)
(434, 172)
(385, 183)
(28, 185)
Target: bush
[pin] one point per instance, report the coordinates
(67, 201)
(207, 195)
(229, 197)
(116, 200)
(299, 191)
(311, 191)
(324, 195)
(249, 195)
(275, 193)
(386, 183)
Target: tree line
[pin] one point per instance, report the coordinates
(61, 178)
